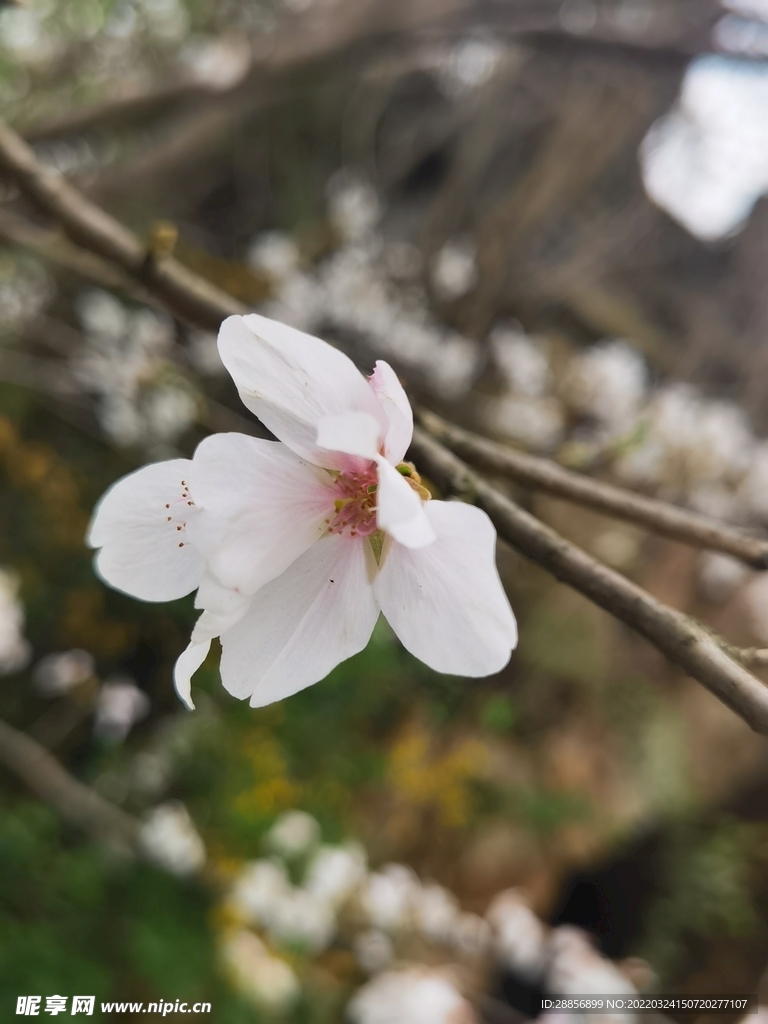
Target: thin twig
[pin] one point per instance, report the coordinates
(187, 295)
(679, 638)
(544, 475)
(117, 110)
(74, 801)
(56, 250)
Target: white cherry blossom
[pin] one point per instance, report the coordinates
(295, 546)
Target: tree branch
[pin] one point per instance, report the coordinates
(75, 802)
(188, 296)
(679, 638)
(544, 475)
(54, 249)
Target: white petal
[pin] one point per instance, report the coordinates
(399, 510)
(446, 602)
(222, 609)
(260, 507)
(354, 433)
(301, 625)
(142, 553)
(187, 663)
(394, 401)
(291, 380)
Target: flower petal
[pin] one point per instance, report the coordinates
(353, 433)
(389, 391)
(446, 602)
(400, 511)
(222, 609)
(140, 525)
(320, 612)
(291, 380)
(260, 506)
(187, 663)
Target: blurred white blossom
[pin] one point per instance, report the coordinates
(607, 382)
(454, 269)
(720, 576)
(265, 979)
(455, 367)
(218, 63)
(744, 37)
(15, 650)
(689, 442)
(535, 422)
(258, 889)
(169, 411)
(119, 706)
(521, 360)
(748, 8)
(142, 397)
(373, 950)
(706, 162)
(300, 918)
(414, 996)
(576, 968)
(435, 911)
(275, 253)
(389, 896)
(353, 206)
(470, 64)
(294, 833)
(471, 935)
(520, 937)
(102, 316)
(335, 872)
(25, 290)
(169, 839)
(203, 353)
(263, 895)
(60, 672)
(402, 261)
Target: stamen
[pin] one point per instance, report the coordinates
(179, 523)
(356, 506)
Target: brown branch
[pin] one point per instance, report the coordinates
(54, 249)
(75, 802)
(187, 296)
(46, 377)
(117, 110)
(544, 475)
(679, 638)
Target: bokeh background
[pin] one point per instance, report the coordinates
(548, 217)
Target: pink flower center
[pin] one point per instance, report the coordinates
(356, 504)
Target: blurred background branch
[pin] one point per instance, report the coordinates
(76, 803)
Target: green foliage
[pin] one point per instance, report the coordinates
(72, 921)
(709, 885)
(498, 714)
(562, 645)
